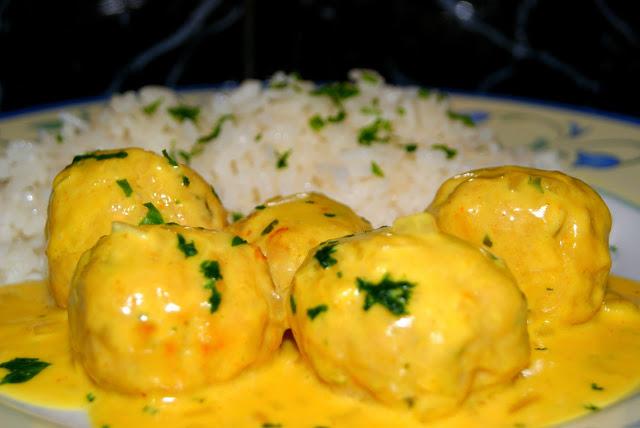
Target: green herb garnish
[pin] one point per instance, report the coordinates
(153, 215)
(410, 148)
(215, 132)
(269, 227)
(22, 369)
(537, 183)
(292, 303)
(329, 215)
(235, 216)
(312, 313)
(283, 159)
(171, 161)
(258, 136)
(376, 170)
(424, 92)
(592, 407)
(369, 77)
(338, 117)
(151, 108)
(596, 387)
(185, 181)
(323, 255)
(400, 110)
(378, 131)
(316, 122)
(260, 207)
(99, 157)
(90, 397)
(184, 112)
(465, 119)
(449, 152)
(150, 410)
(271, 425)
(126, 188)
(211, 269)
(188, 248)
(337, 91)
(237, 241)
(393, 295)
(487, 241)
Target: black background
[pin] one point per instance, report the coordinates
(579, 52)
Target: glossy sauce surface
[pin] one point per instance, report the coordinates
(574, 370)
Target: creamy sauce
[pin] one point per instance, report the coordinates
(574, 370)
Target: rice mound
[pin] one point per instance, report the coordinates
(266, 147)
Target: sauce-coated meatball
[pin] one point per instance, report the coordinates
(286, 228)
(552, 231)
(410, 316)
(129, 185)
(171, 308)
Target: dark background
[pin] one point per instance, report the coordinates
(585, 53)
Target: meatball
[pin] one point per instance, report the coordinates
(171, 308)
(131, 186)
(409, 316)
(286, 228)
(552, 231)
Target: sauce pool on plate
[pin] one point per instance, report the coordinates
(574, 370)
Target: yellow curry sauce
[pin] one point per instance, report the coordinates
(574, 370)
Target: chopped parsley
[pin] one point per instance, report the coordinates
(236, 240)
(337, 91)
(217, 129)
(596, 387)
(169, 159)
(271, 425)
(100, 156)
(379, 131)
(376, 170)
(260, 207)
(186, 156)
(410, 148)
(91, 397)
(283, 159)
(463, 118)
(126, 188)
(22, 369)
(323, 255)
(151, 108)
(153, 215)
(211, 270)
(316, 122)
(338, 117)
(269, 227)
(449, 152)
(235, 216)
(424, 92)
(258, 136)
(537, 183)
(188, 248)
(401, 110)
(329, 215)
(540, 348)
(150, 409)
(613, 249)
(592, 407)
(487, 241)
(216, 298)
(292, 303)
(184, 112)
(393, 295)
(312, 313)
(369, 77)
(185, 181)
(59, 138)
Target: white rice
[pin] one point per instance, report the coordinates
(242, 169)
